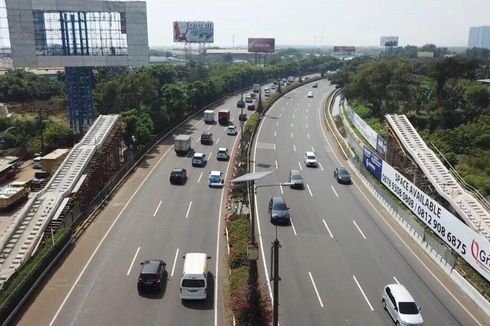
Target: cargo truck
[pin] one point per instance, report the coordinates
(224, 117)
(182, 144)
(12, 194)
(208, 116)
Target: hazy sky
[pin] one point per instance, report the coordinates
(329, 22)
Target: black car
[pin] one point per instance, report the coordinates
(278, 210)
(178, 176)
(152, 275)
(251, 107)
(206, 138)
(342, 175)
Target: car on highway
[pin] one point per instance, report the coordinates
(251, 106)
(310, 159)
(152, 275)
(206, 138)
(178, 176)
(253, 95)
(231, 130)
(199, 159)
(310, 94)
(315, 85)
(278, 210)
(215, 179)
(342, 175)
(248, 99)
(296, 179)
(400, 305)
(222, 154)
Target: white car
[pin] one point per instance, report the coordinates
(401, 306)
(215, 179)
(310, 159)
(222, 154)
(310, 94)
(231, 130)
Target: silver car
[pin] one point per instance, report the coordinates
(296, 179)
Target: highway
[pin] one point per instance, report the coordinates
(147, 219)
(339, 252)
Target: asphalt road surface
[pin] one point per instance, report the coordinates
(147, 219)
(338, 253)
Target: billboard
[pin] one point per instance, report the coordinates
(344, 50)
(372, 162)
(193, 32)
(425, 54)
(470, 245)
(262, 45)
(389, 41)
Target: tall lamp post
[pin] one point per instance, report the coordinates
(250, 178)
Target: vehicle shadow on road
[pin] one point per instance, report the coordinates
(207, 304)
(263, 165)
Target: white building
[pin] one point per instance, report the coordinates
(479, 37)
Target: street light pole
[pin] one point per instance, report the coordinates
(276, 279)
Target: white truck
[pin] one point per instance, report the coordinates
(182, 144)
(208, 116)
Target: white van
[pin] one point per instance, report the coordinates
(194, 281)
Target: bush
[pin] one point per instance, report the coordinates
(238, 234)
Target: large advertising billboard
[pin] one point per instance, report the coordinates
(389, 41)
(261, 45)
(193, 32)
(372, 162)
(344, 50)
(470, 245)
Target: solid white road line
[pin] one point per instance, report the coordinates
(158, 207)
(308, 135)
(275, 133)
(188, 210)
(294, 147)
(328, 229)
(334, 191)
(275, 161)
(396, 280)
(282, 190)
(316, 291)
(358, 228)
(300, 167)
(200, 176)
(362, 291)
(292, 226)
(105, 236)
(321, 167)
(132, 261)
(175, 262)
(308, 186)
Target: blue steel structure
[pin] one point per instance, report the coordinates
(78, 79)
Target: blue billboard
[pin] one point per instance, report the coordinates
(372, 162)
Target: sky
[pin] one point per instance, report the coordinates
(323, 22)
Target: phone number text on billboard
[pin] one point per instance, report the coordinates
(470, 245)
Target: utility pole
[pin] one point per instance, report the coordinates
(275, 277)
(41, 122)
